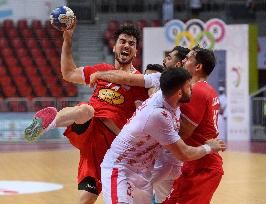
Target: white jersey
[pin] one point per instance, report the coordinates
(139, 143)
(152, 80)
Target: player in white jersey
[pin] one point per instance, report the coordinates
(127, 168)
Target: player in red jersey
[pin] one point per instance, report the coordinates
(93, 126)
(199, 178)
(151, 80)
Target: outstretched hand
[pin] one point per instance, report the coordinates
(93, 79)
(216, 145)
(69, 32)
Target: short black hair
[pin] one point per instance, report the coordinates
(128, 29)
(206, 58)
(155, 67)
(181, 52)
(173, 79)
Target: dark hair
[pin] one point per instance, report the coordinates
(128, 29)
(181, 52)
(206, 58)
(155, 67)
(173, 79)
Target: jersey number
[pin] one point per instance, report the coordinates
(215, 120)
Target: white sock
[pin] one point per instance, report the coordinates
(51, 126)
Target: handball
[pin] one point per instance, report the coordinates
(62, 18)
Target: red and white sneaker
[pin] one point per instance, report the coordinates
(41, 121)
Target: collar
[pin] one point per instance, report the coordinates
(165, 104)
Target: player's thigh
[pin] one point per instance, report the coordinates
(114, 186)
(162, 187)
(198, 187)
(210, 181)
(118, 188)
(162, 190)
(85, 112)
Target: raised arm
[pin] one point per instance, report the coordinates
(118, 77)
(69, 70)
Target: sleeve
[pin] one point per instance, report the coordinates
(195, 109)
(88, 70)
(152, 80)
(160, 126)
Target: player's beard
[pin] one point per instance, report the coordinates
(185, 98)
(123, 62)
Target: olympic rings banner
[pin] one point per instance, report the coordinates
(195, 32)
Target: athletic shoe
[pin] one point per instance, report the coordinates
(42, 119)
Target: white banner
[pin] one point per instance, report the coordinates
(28, 9)
(237, 82)
(157, 41)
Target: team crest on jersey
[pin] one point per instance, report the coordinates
(165, 114)
(111, 96)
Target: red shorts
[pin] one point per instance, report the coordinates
(194, 186)
(93, 144)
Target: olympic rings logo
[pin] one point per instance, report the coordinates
(195, 32)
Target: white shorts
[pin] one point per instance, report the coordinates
(166, 171)
(162, 188)
(125, 186)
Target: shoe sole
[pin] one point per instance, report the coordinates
(34, 130)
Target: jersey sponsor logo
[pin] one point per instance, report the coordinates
(26, 187)
(111, 96)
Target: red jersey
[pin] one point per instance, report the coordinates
(202, 111)
(113, 101)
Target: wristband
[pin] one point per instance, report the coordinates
(207, 148)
